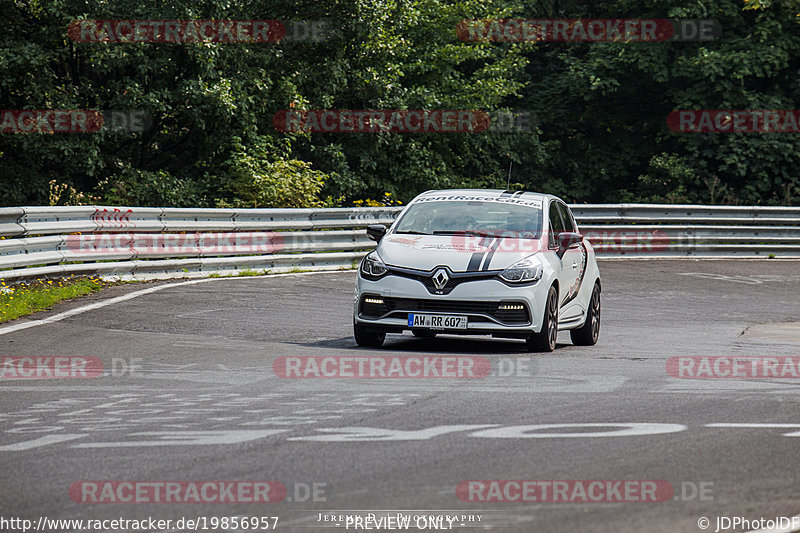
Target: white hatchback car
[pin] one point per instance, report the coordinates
(480, 262)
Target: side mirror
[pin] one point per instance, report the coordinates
(376, 232)
(567, 240)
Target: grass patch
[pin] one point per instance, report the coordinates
(247, 272)
(26, 298)
(240, 274)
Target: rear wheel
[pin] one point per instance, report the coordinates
(367, 336)
(423, 333)
(588, 334)
(545, 340)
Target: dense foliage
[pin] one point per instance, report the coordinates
(600, 109)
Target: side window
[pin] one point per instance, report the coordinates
(574, 223)
(569, 223)
(556, 224)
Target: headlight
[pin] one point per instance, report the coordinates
(372, 267)
(528, 270)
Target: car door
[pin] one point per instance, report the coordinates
(566, 274)
(574, 259)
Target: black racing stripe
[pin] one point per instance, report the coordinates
(495, 245)
(476, 259)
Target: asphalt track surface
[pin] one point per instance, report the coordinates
(202, 357)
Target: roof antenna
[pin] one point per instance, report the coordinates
(508, 183)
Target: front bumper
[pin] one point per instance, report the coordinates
(480, 301)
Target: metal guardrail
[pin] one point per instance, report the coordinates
(168, 242)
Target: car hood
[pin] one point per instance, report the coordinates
(461, 253)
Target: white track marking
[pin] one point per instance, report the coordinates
(41, 441)
(761, 426)
(187, 438)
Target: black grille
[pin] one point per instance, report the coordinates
(426, 278)
(507, 316)
(371, 309)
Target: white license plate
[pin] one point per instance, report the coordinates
(416, 320)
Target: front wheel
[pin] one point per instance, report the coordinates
(588, 334)
(367, 336)
(545, 340)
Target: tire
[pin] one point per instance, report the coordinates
(588, 334)
(423, 333)
(545, 340)
(366, 336)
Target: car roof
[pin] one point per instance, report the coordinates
(489, 192)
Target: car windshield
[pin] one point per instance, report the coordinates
(489, 217)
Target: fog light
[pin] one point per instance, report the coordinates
(378, 301)
(511, 307)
